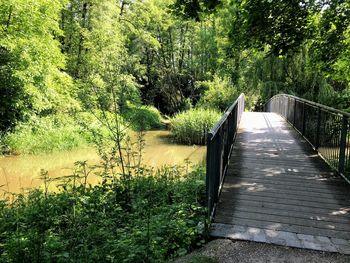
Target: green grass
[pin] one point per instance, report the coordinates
(192, 126)
(148, 218)
(63, 132)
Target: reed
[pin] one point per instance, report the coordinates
(192, 126)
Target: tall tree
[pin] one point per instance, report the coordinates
(33, 61)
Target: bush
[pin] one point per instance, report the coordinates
(192, 126)
(148, 218)
(47, 134)
(219, 94)
(143, 117)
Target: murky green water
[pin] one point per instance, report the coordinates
(22, 171)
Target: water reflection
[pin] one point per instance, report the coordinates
(23, 171)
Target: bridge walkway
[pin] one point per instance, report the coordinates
(278, 190)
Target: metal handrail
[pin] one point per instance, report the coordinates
(325, 128)
(219, 146)
(330, 109)
(216, 127)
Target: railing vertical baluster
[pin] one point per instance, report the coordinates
(304, 120)
(286, 101)
(318, 128)
(343, 135)
(295, 107)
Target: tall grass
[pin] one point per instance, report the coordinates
(191, 127)
(48, 134)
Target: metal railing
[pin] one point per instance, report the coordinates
(219, 146)
(325, 128)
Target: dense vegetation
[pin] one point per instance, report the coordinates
(66, 57)
(192, 126)
(148, 217)
(78, 72)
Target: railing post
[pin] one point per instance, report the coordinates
(209, 175)
(343, 135)
(318, 128)
(303, 127)
(217, 163)
(295, 107)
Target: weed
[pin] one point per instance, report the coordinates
(147, 218)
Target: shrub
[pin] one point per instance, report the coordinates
(46, 134)
(192, 126)
(143, 117)
(219, 94)
(149, 218)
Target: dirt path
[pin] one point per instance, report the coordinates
(225, 251)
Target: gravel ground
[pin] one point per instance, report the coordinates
(225, 250)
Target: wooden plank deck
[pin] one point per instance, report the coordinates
(278, 190)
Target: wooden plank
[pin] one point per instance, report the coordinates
(275, 157)
(292, 220)
(314, 214)
(282, 202)
(281, 159)
(297, 185)
(342, 212)
(288, 190)
(283, 199)
(291, 178)
(275, 175)
(259, 167)
(306, 230)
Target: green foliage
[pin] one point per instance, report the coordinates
(280, 24)
(97, 55)
(330, 46)
(64, 56)
(143, 118)
(192, 126)
(147, 218)
(12, 108)
(46, 134)
(173, 52)
(34, 65)
(219, 94)
(192, 9)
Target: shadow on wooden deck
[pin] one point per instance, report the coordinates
(278, 190)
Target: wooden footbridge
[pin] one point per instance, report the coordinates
(281, 176)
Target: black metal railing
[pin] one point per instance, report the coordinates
(219, 146)
(325, 128)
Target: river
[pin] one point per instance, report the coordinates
(22, 171)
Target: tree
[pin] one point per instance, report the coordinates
(331, 43)
(12, 96)
(32, 63)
